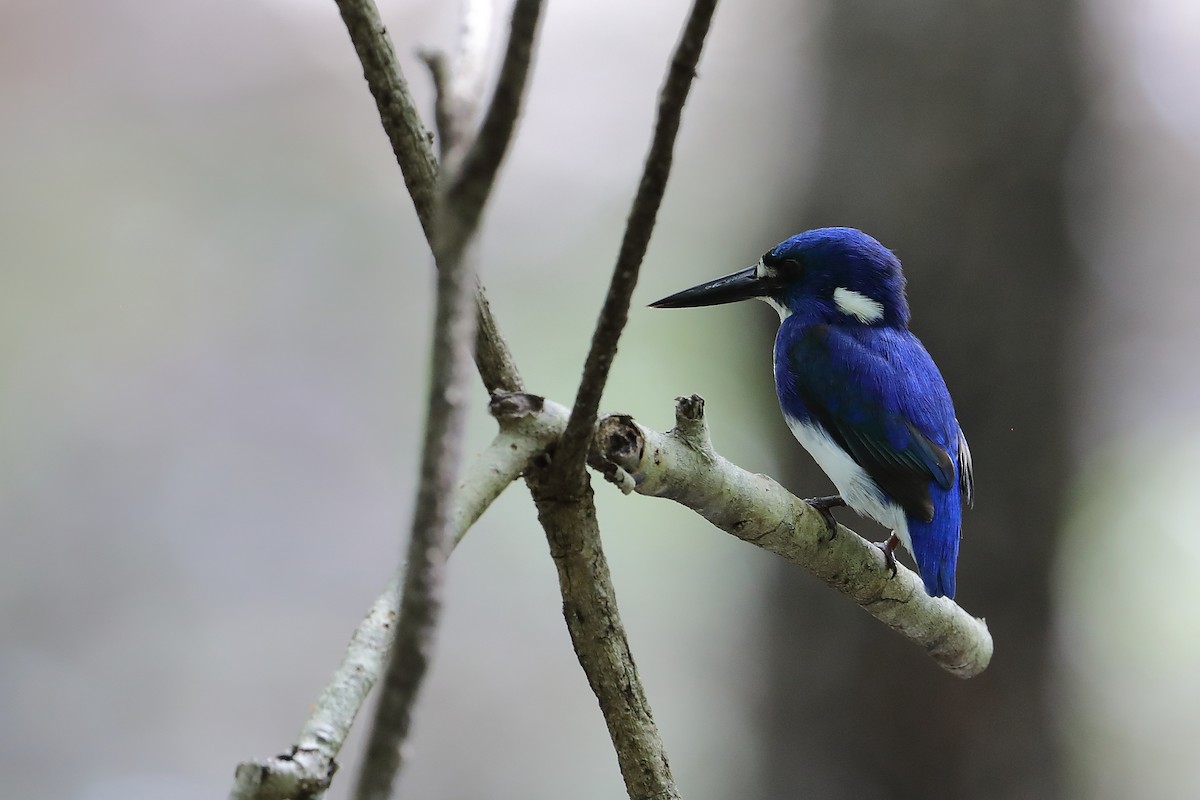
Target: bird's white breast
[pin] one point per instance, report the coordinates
(853, 483)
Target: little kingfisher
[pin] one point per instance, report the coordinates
(859, 390)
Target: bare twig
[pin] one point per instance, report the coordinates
(572, 451)
(401, 121)
(527, 425)
(459, 90)
(681, 465)
(493, 357)
(443, 116)
(411, 144)
(470, 187)
(456, 220)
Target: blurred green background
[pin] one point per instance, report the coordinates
(214, 313)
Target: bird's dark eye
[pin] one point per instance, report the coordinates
(783, 268)
(789, 268)
(777, 261)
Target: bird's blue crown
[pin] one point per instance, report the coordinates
(819, 269)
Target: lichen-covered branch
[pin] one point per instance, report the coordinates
(527, 426)
(681, 465)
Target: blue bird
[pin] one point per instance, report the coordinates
(859, 390)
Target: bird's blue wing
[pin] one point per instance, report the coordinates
(881, 399)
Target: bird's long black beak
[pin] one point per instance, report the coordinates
(741, 285)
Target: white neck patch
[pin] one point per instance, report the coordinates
(858, 305)
(783, 311)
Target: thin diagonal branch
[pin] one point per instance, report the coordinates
(410, 142)
(527, 425)
(562, 491)
(400, 118)
(572, 451)
(682, 466)
(456, 219)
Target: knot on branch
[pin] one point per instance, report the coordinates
(619, 446)
(620, 440)
(689, 408)
(515, 405)
(690, 425)
(297, 775)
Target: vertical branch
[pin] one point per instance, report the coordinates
(598, 635)
(563, 493)
(457, 214)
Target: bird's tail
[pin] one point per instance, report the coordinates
(938, 566)
(935, 547)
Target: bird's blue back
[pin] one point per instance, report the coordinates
(869, 388)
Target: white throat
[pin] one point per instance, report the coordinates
(783, 311)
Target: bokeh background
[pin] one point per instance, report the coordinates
(214, 311)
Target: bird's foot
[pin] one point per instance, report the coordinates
(822, 505)
(889, 552)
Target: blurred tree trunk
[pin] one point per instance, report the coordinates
(944, 130)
